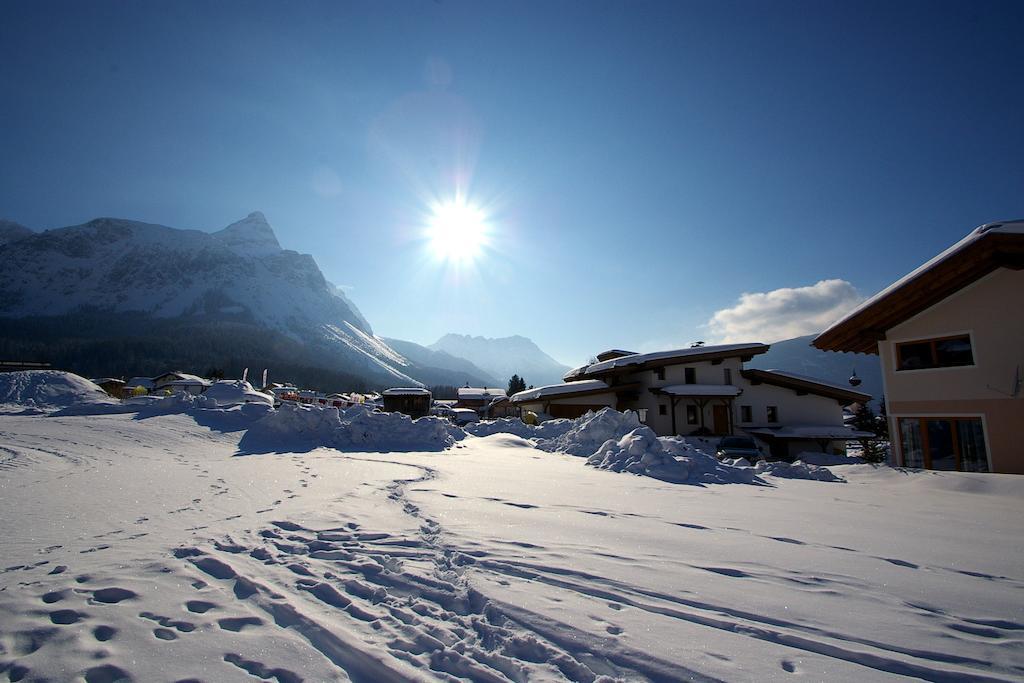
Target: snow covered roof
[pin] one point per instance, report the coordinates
(479, 393)
(143, 382)
(809, 432)
(983, 250)
(699, 390)
(614, 353)
(188, 381)
(575, 373)
(407, 391)
(235, 391)
(692, 354)
(791, 380)
(587, 386)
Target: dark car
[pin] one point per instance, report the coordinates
(738, 447)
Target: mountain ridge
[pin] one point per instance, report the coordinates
(117, 278)
(504, 356)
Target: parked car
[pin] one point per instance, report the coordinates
(738, 447)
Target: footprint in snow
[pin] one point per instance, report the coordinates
(64, 617)
(107, 673)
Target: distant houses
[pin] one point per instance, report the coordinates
(705, 390)
(950, 338)
(487, 402)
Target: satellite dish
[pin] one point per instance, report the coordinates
(854, 379)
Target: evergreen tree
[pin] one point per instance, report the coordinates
(516, 384)
(864, 420)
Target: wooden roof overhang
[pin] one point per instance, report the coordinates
(844, 396)
(861, 331)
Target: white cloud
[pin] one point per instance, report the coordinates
(783, 313)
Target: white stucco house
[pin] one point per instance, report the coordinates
(706, 390)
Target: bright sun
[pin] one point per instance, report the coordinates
(457, 232)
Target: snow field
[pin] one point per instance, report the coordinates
(154, 548)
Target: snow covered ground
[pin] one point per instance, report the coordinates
(149, 547)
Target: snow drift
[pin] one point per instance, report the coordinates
(295, 426)
(49, 390)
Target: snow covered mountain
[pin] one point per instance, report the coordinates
(11, 231)
(505, 356)
(126, 277)
(798, 356)
(445, 362)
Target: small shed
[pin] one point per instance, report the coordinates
(111, 385)
(413, 401)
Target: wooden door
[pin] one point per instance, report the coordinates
(720, 419)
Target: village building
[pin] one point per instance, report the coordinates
(705, 390)
(179, 382)
(950, 338)
(479, 399)
(112, 385)
(413, 401)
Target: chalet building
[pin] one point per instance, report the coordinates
(413, 401)
(705, 390)
(480, 399)
(112, 385)
(950, 338)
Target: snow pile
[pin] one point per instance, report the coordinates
(796, 470)
(641, 451)
(591, 431)
(513, 425)
(297, 426)
(228, 392)
(812, 458)
(504, 425)
(49, 390)
(365, 430)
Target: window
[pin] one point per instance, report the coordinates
(947, 352)
(691, 415)
(662, 409)
(773, 413)
(943, 443)
(746, 414)
(659, 373)
(690, 375)
(728, 375)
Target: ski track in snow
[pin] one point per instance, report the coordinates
(255, 574)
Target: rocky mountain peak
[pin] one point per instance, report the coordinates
(251, 236)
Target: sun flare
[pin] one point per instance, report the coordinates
(457, 232)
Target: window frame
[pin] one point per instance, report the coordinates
(692, 416)
(659, 374)
(688, 374)
(922, 425)
(772, 414)
(662, 409)
(897, 356)
(746, 414)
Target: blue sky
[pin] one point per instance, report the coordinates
(642, 165)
